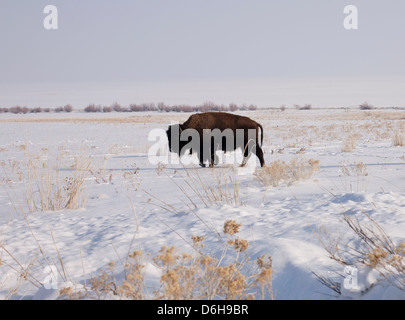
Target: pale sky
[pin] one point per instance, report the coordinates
(266, 52)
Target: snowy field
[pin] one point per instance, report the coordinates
(126, 202)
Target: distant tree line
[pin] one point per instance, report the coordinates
(24, 110)
(161, 107)
(115, 107)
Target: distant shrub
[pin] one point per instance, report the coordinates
(149, 107)
(36, 110)
(175, 108)
(15, 109)
(366, 106)
(206, 106)
(305, 107)
(185, 108)
(135, 108)
(188, 109)
(92, 108)
(107, 109)
(58, 109)
(243, 107)
(19, 110)
(233, 107)
(219, 108)
(116, 107)
(68, 108)
(161, 106)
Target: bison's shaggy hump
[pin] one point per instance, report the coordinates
(222, 121)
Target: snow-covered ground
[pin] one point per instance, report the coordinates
(283, 221)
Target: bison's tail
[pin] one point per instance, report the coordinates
(261, 128)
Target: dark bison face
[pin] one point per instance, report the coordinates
(173, 135)
(169, 137)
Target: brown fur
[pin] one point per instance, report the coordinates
(222, 121)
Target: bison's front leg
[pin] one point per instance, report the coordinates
(214, 160)
(200, 157)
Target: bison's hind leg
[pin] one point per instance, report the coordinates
(255, 150)
(259, 153)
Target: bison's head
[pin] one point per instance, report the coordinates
(176, 144)
(173, 135)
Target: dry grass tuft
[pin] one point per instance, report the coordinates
(359, 170)
(349, 144)
(161, 167)
(398, 139)
(220, 187)
(279, 172)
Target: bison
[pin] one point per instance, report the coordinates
(206, 133)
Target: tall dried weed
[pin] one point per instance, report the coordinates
(46, 183)
(374, 249)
